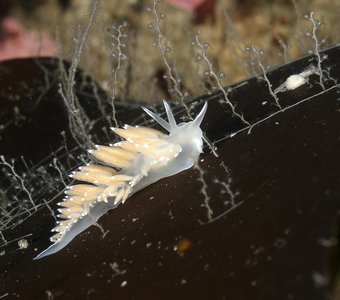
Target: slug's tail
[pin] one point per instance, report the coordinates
(80, 225)
(84, 204)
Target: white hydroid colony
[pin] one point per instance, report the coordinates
(145, 156)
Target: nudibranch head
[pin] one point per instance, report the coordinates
(187, 134)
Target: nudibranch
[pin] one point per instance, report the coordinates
(145, 156)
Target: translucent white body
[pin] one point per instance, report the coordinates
(146, 156)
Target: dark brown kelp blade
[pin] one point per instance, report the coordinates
(275, 240)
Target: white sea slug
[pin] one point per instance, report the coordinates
(144, 157)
